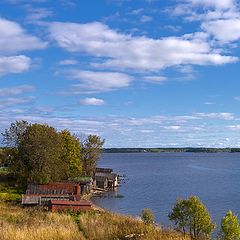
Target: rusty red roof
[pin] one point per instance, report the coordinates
(73, 203)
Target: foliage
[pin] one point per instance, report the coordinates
(230, 227)
(147, 216)
(13, 136)
(192, 217)
(71, 154)
(92, 148)
(39, 155)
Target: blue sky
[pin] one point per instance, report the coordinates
(139, 73)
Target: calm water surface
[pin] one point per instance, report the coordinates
(156, 180)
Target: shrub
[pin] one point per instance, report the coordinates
(147, 216)
(230, 227)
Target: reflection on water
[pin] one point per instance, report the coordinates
(156, 180)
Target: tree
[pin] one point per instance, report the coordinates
(92, 148)
(230, 227)
(39, 155)
(191, 217)
(71, 154)
(147, 216)
(12, 136)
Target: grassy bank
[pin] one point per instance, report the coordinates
(38, 224)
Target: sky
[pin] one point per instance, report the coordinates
(138, 73)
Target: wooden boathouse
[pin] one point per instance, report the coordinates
(76, 206)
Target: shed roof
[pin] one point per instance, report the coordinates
(71, 203)
(105, 170)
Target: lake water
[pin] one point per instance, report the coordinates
(156, 180)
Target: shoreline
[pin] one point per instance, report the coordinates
(95, 207)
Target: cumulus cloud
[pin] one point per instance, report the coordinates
(14, 64)
(94, 81)
(17, 90)
(14, 39)
(122, 51)
(219, 4)
(92, 101)
(227, 30)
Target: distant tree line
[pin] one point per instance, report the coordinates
(189, 149)
(38, 153)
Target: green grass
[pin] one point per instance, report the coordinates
(8, 188)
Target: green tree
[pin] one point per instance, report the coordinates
(191, 217)
(230, 227)
(39, 155)
(12, 136)
(71, 154)
(92, 148)
(147, 216)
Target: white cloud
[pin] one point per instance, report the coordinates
(14, 39)
(145, 19)
(222, 116)
(146, 131)
(136, 11)
(155, 79)
(92, 101)
(237, 98)
(131, 132)
(209, 103)
(12, 101)
(68, 62)
(234, 127)
(219, 4)
(17, 90)
(36, 14)
(175, 128)
(118, 50)
(227, 30)
(14, 64)
(93, 81)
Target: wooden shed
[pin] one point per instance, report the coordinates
(76, 206)
(40, 194)
(54, 188)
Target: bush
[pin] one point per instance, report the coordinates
(147, 216)
(230, 227)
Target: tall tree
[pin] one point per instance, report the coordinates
(12, 136)
(92, 148)
(230, 227)
(191, 216)
(39, 156)
(71, 155)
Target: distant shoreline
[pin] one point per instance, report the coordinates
(187, 149)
